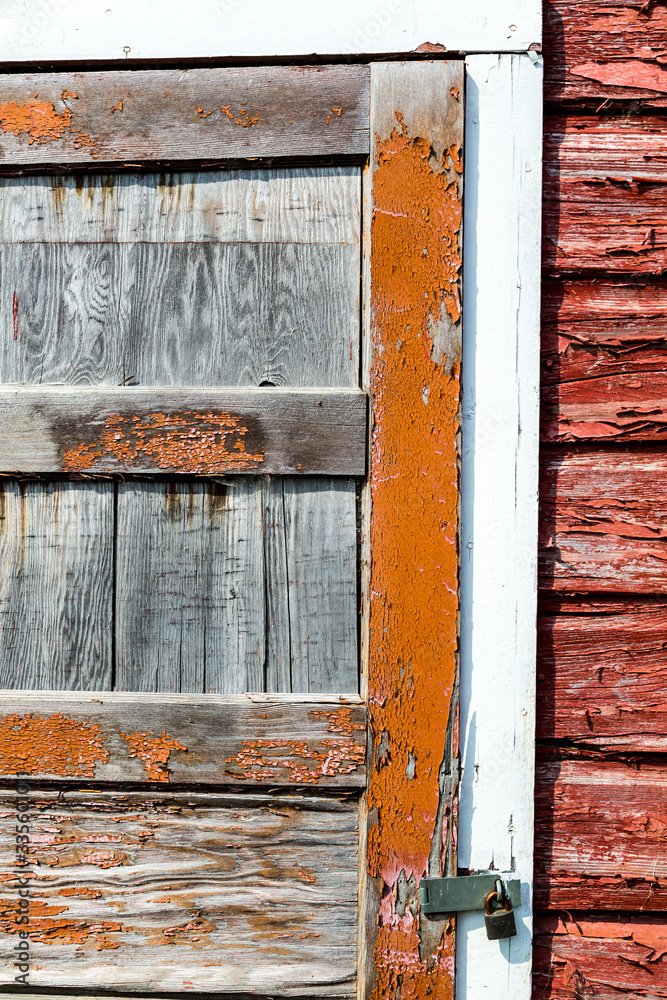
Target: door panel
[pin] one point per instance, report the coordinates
(216, 892)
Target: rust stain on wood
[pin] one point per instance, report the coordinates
(56, 745)
(415, 262)
(188, 442)
(154, 751)
(332, 757)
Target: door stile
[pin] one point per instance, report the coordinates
(412, 350)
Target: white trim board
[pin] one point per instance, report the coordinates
(45, 30)
(501, 339)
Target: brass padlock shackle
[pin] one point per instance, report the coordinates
(494, 893)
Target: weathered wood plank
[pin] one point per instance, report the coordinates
(190, 596)
(603, 360)
(603, 524)
(221, 894)
(602, 673)
(320, 581)
(279, 204)
(193, 431)
(180, 314)
(196, 114)
(599, 833)
(581, 955)
(413, 260)
(605, 194)
(597, 50)
(194, 740)
(56, 585)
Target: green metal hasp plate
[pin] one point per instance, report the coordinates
(465, 892)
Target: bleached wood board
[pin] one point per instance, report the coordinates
(179, 115)
(212, 893)
(193, 431)
(196, 740)
(56, 585)
(278, 204)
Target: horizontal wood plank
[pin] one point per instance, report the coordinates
(603, 523)
(197, 114)
(602, 673)
(188, 739)
(279, 204)
(605, 195)
(597, 50)
(189, 431)
(216, 893)
(599, 833)
(603, 360)
(606, 956)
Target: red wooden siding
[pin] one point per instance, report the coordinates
(601, 791)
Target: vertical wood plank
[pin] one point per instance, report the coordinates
(412, 594)
(190, 587)
(55, 585)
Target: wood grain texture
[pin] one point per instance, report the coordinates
(206, 432)
(196, 114)
(196, 740)
(413, 312)
(277, 204)
(603, 360)
(597, 50)
(602, 673)
(246, 586)
(603, 524)
(211, 893)
(188, 314)
(605, 192)
(56, 585)
(599, 832)
(605, 956)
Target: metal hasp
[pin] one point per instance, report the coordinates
(464, 892)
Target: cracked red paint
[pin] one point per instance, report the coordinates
(188, 442)
(56, 745)
(335, 756)
(154, 751)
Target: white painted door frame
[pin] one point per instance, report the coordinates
(501, 245)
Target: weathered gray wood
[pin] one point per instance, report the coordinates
(243, 314)
(201, 893)
(184, 314)
(281, 204)
(321, 584)
(56, 585)
(199, 740)
(190, 592)
(196, 114)
(194, 431)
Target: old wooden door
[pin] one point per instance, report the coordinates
(209, 580)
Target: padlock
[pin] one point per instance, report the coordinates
(499, 923)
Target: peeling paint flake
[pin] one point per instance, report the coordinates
(39, 121)
(154, 751)
(187, 442)
(56, 745)
(334, 756)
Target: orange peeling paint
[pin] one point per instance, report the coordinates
(39, 121)
(335, 756)
(242, 120)
(56, 745)
(413, 592)
(339, 721)
(187, 442)
(154, 751)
